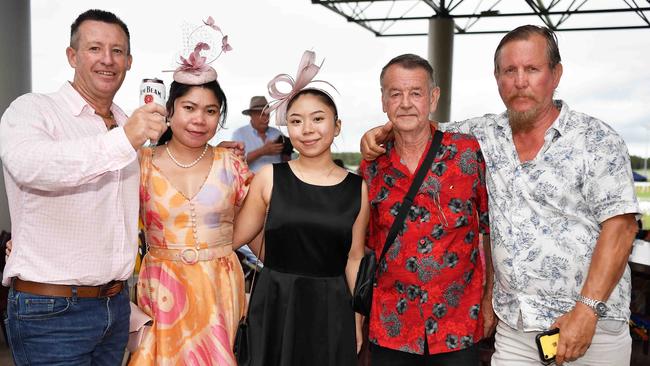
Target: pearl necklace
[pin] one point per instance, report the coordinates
(186, 165)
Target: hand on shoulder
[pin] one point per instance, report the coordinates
(236, 147)
(373, 140)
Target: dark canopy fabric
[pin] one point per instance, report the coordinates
(639, 178)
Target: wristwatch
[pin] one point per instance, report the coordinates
(599, 307)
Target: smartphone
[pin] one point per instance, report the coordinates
(287, 148)
(547, 344)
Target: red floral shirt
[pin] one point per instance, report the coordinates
(430, 281)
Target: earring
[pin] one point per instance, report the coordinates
(167, 122)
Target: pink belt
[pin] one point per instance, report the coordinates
(191, 255)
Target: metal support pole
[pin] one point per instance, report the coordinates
(645, 159)
(441, 57)
(15, 69)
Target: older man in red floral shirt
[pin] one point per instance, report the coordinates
(427, 303)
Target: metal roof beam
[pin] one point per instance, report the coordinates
(498, 15)
(549, 12)
(639, 13)
(351, 1)
(508, 30)
(539, 9)
(443, 11)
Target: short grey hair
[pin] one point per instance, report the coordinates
(410, 61)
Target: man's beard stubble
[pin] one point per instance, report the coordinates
(522, 121)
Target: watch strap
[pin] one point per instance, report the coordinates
(592, 303)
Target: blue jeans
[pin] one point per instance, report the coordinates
(44, 330)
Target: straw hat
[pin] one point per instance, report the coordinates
(258, 103)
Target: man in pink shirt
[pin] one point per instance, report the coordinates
(71, 174)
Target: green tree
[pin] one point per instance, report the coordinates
(637, 162)
(350, 159)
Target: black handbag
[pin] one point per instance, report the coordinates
(241, 347)
(367, 274)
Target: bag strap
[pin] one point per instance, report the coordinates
(410, 195)
(257, 262)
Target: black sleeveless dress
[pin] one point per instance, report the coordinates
(300, 310)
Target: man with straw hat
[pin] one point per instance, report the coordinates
(260, 141)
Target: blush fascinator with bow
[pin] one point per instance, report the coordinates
(307, 70)
(195, 69)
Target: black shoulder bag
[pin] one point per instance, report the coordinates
(367, 274)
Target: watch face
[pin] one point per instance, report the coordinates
(601, 309)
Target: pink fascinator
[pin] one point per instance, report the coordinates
(307, 70)
(196, 69)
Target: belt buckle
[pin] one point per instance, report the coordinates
(194, 257)
(110, 289)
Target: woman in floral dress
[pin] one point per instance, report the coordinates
(191, 282)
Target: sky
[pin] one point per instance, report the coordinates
(606, 73)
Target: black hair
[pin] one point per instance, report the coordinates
(410, 61)
(100, 16)
(177, 90)
(321, 95)
(524, 32)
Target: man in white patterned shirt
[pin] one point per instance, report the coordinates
(71, 174)
(562, 212)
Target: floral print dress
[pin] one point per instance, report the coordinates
(195, 307)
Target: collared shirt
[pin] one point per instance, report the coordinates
(72, 188)
(545, 213)
(252, 141)
(432, 278)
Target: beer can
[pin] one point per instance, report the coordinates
(152, 91)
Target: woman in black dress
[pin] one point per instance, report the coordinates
(314, 232)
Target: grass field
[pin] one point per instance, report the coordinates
(643, 195)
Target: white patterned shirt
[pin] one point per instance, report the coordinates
(72, 188)
(545, 213)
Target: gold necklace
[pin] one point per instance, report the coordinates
(105, 116)
(108, 118)
(303, 175)
(185, 166)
